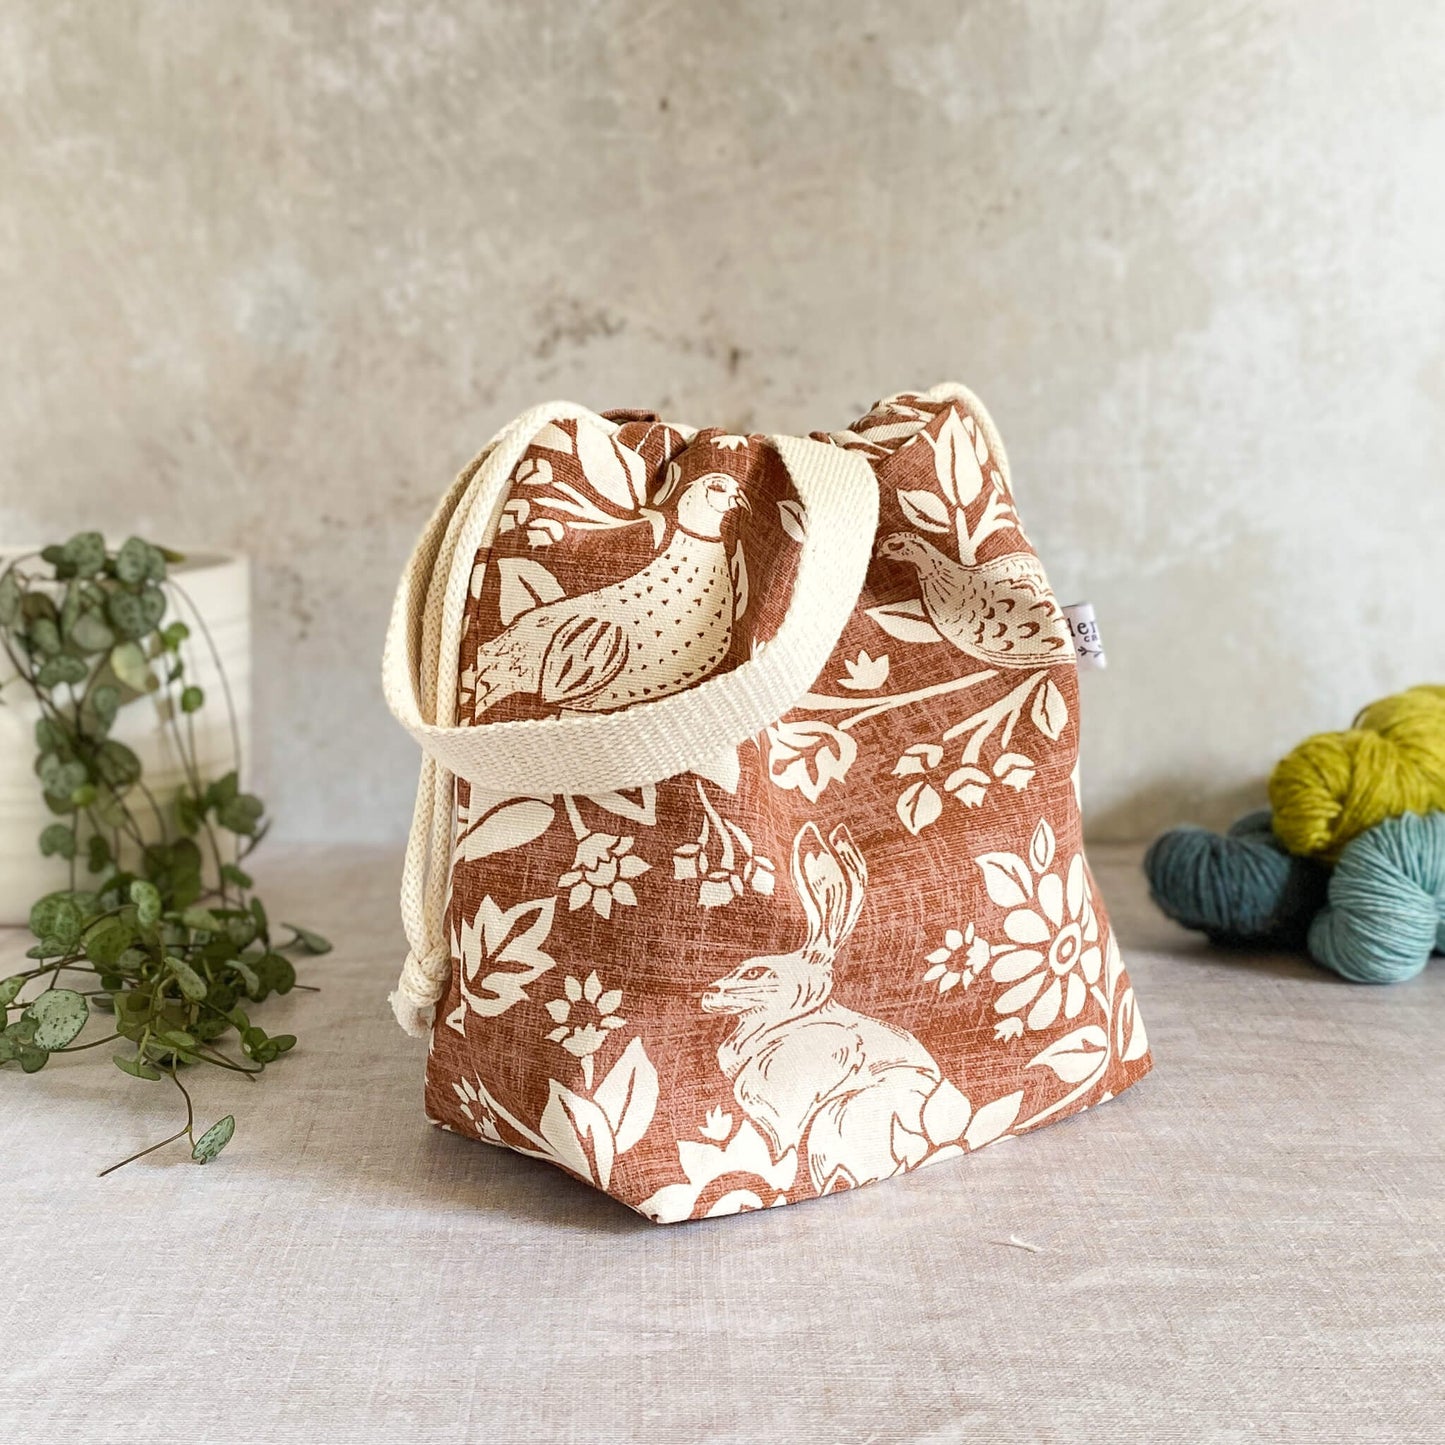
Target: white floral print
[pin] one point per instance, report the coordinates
(961, 957)
(1056, 956)
(584, 1015)
(601, 874)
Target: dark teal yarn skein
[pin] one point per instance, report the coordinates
(1386, 912)
(1236, 887)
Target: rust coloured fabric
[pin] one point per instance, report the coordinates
(864, 941)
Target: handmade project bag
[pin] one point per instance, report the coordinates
(747, 861)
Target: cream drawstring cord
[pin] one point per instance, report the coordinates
(588, 753)
(419, 677)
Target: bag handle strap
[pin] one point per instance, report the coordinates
(601, 752)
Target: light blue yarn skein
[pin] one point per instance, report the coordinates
(1386, 911)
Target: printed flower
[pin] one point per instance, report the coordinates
(600, 872)
(947, 970)
(1014, 770)
(808, 755)
(729, 442)
(918, 759)
(583, 1039)
(968, 784)
(478, 1112)
(726, 868)
(865, 674)
(1057, 956)
(718, 1126)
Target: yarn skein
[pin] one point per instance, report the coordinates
(1237, 887)
(1334, 786)
(1386, 912)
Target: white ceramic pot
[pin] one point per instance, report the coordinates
(213, 586)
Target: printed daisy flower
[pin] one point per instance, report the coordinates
(600, 872)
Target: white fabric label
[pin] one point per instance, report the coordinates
(1084, 629)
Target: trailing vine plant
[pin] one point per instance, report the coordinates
(159, 929)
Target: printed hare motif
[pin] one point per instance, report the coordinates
(1001, 612)
(862, 1100)
(659, 631)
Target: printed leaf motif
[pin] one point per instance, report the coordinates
(918, 806)
(1007, 878)
(568, 1122)
(793, 518)
(954, 461)
(918, 759)
(993, 1120)
(553, 438)
(509, 824)
(525, 584)
(1133, 1041)
(740, 582)
(808, 755)
(925, 510)
(1077, 1056)
(1041, 847)
(493, 937)
(628, 1095)
(616, 472)
(906, 621)
(865, 673)
(1049, 713)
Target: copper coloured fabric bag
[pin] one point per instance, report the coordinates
(747, 862)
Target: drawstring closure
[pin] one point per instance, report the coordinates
(419, 677)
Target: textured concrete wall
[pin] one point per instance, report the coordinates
(269, 272)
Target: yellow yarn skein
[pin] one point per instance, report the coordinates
(1335, 785)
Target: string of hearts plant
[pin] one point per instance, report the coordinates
(158, 928)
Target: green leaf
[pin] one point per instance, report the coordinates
(284, 1043)
(129, 664)
(97, 851)
(192, 985)
(117, 764)
(126, 614)
(255, 989)
(59, 1014)
(49, 737)
(277, 972)
(201, 918)
(85, 552)
(191, 699)
(137, 1067)
(232, 874)
(60, 670)
(147, 900)
(10, 989)
(9, 597)
(90, 634)
(56, 917)
(60, 779)
(107, 940)
(153, 606)
(57, 838)
(45, 637)
(133, 562)
(173, 635)
(310, 941)
(105, 699)
(214, 1140)
(32, 1060)
(241, 813)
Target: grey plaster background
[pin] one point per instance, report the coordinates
(270, 272)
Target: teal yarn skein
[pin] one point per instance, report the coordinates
(1238, 887)
(1386, 912)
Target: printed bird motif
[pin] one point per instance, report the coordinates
(1000, 612)
(656, 632)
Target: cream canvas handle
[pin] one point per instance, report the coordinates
(590, 753)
